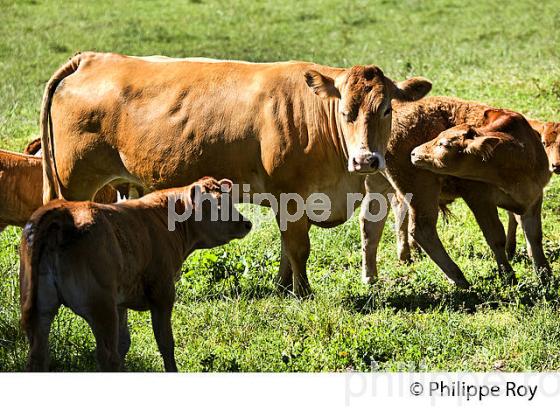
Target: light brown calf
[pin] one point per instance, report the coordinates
(100, 260)
(506, 154)
(416, 123)
(21, 184)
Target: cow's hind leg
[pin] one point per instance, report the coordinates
(297, 246)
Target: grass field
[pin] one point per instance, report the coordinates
(228, 316)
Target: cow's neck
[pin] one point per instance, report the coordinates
(335, 133)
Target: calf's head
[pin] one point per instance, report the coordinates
(464, 150)
(215, 221)
(364, 95)
(550, 137)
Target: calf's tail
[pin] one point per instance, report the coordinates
(41, 236)
(51, 184)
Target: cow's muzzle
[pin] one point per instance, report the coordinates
(555, 168)
(365, 162)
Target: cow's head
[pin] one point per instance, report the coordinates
(215, 218)
(550, 137)
(463, 149)
(364, 113)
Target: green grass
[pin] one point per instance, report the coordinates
(227, 316)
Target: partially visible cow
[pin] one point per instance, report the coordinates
(416, 123)
(124, 190)
(135, 267)
(550, 136)
(21, 183)
(288, 127)
(33, 148)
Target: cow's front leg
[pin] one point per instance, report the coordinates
(532, 228)
(404, 241)
(284, 280)
(373, 215)
(511, 242)
(296, 247)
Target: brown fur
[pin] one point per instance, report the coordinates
(135, 267)
(20, 188)
(417, 123)
(33, 147)
(159, 122)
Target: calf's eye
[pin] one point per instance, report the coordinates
(388, 110)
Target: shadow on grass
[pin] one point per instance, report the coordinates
(486, 292)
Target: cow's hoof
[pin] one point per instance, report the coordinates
(303, 292)
(510, 279)
(369, 279)
(461, 283)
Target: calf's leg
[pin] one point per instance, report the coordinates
(486, 215)
(511, 242)
(38, 329)
(424, 212)
(124, 334)
(161, 324)
(102, 316)
(532, 228)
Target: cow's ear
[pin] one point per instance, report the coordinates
(483, 146)
(321, 85)
(226, 185)
(412, 89)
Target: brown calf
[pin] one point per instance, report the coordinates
(506, 154)
(550, 137)
(135, 267)
(414, 124)
(21, 183)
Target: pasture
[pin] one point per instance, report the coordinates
(228, 316)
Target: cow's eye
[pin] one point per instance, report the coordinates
(346, 116)
(388, 110)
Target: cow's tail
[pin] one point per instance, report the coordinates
(40, 237)
(51, 184)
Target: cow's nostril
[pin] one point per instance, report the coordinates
(374, 162)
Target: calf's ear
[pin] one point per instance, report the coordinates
(226, 185)
(321, 85)
(483, 146)
(412, 89)
(193, 196)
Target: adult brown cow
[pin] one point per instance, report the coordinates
(288, 127)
